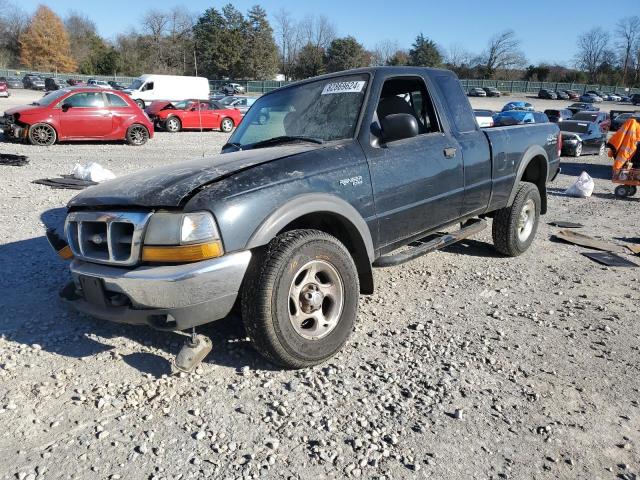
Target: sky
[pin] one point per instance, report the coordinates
(548, 29)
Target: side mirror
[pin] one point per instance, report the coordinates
(66, 106)
(399, 126)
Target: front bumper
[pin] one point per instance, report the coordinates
(12, 130)
(171, 297)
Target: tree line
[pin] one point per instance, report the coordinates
(227, 43)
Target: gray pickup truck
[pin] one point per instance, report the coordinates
(323, 180)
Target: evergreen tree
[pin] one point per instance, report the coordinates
(424, 53)
(311, 62)
(346, 53)
(45, 43)
(261, 50)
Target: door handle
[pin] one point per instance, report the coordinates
(450, 152)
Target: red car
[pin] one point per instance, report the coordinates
(4, 88)
(84, 113)
(192, 114)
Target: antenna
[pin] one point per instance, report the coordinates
(195, 65)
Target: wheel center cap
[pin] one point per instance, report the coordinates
(311, 298)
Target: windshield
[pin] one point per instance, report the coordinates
(49, 98)
(574, 127)
(324, 110)
(137, 83)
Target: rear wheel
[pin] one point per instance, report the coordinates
(42, 134)
(300, 299)
(137, 135)
(515, 227)
(623, 191)
(173, 124)
(578, 151)
(602, 150)
(226, 125)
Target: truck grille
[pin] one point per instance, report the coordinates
(113, 238)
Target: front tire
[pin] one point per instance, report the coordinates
(602, 150)
(42, 134)
(140, 103)
(300, 299)
(226, 125)
(173, 124)
(578, 151)
(137, 135)
(515, 227)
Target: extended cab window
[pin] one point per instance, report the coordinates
(87, 99)
(116, 101)
(408, 95)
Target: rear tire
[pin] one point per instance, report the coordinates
(173, 124)
(42, 135)
(300, 298)
(137, 135)
(622, 191)
(515, 227)
(578, 151)
(226, 125)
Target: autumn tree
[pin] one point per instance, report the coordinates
(45, 43)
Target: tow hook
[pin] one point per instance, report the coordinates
(192, 352)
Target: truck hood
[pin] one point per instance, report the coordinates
(169, 186)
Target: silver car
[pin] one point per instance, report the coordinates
(239, 103)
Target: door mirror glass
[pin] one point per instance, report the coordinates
(66, 106)
(399, 126)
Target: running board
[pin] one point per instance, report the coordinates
(422, 248)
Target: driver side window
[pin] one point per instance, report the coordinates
(147, 86)
(87, 99)
(408, 95)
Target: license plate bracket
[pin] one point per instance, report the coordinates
(93, 290)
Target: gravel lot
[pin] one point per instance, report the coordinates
(463, 364)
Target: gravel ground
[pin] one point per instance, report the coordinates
(463, 364)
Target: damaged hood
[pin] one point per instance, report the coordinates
(157, 106)
(169, 186)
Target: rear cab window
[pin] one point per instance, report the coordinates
(455, 102)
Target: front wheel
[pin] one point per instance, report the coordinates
(578, 151)
(226, 125)
(624, 191)
(515, 227)
(42, 134)
(137, 135)
(300, 298)
(173, 124)
(140, 103)
(602, 150)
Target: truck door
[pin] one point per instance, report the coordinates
(417, 182)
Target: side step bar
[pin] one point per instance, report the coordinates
(422, 248)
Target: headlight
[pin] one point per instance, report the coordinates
(181, 237)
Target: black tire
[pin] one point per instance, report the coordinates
(140, 103)
(137, 135)
(268, 308)
(622, 191)
(510, 237)
(173, 124)
(226, 125)
(578, 150)
(42, 134)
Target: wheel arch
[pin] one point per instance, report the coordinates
(533, 168)
(331, 215)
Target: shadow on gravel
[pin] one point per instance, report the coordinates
(33, 313)
(595, 170)
(611, 196)
(473, 248)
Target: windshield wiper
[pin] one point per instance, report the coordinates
(286, 138)
(232, 144)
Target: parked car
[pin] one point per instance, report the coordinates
(635, 99)
(619, 119)
(602, 119)
(526, 106)
(580, 137)
(572, 95)
(242, 104)
(98, 83)
(80, 113)
(116, 85)
(233, 89)
(560, 115)
(548, 94)
(492, 92)
(4, 89)
(193, 114)
(217, 96)
(596, 93)
(289, 220)
(590, 98)
(14, 82)
(147, 88)
(519, 117)
(484, 118)
(477, 92)
(612, 97)
(74, 82)
(578, 107)
(562, 95)
(34, 82)
(51, 84)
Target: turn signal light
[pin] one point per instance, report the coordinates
(182, 253)
(65, 253)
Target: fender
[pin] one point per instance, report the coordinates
(533, 151)
(305, 204)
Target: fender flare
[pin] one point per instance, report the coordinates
(304, 204)
(532, 152)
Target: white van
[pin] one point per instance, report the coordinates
(147, 88)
